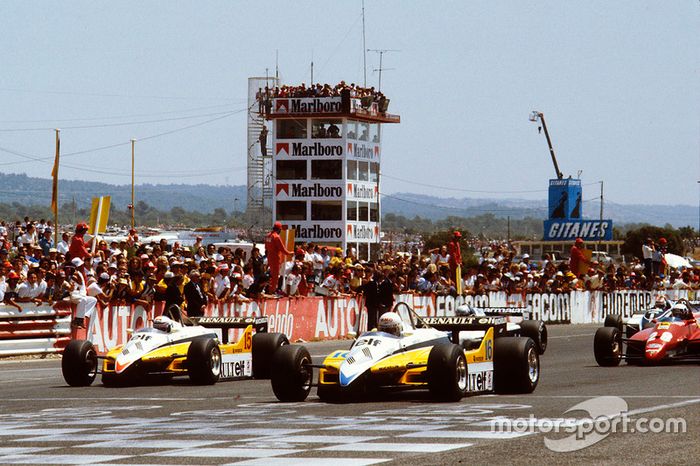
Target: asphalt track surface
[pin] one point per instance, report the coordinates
(43, 421)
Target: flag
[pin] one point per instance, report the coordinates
(99, 215)
(54, 175)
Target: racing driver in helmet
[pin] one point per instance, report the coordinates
(390, 322)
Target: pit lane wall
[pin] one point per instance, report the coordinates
(45, 329)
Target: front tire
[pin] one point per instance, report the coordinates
(204, 361)
(537, 331)
(607, 346)
(291, 373)
(264, 347)
(79, 363)
(516, 364)
(447, 372)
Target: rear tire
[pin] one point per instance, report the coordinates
(613, 320)
(516, 364)
(447, 372)
(204, 361)
(607, 346)
(264, 347)
(291, 375)
(79, 363)
(537, 331)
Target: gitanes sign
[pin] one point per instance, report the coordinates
(569, 230)
(308, 105)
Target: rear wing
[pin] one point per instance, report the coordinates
(225, 323)
(504, 311)
(455, 324)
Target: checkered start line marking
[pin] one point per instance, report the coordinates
(242, 435)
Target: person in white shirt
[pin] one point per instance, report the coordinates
(222, 283)
(28, 238)
(96, 288)
(293, 280)
(63, 245)
(85, 305)
(29, 291)
(318, 263)
(248, 278)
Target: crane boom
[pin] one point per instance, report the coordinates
(540, 116)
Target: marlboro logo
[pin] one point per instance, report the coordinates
(281, 106)
(282, 187)
(282, 147)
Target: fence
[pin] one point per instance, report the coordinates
(44, 329)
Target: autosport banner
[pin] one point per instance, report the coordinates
(319, 318)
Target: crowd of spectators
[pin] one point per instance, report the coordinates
(367, 95)
(33, 269)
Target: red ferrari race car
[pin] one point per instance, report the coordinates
(676, 338)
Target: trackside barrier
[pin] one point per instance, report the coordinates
(35, 330)
(43, 329)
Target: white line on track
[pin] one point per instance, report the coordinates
(128, 398)
(7, 371)
(570, 336)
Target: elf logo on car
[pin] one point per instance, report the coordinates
(480, 381)
(233, 369)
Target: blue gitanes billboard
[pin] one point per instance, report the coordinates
(569, 230)
(565, 199)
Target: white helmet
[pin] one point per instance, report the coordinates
(681, 310)
(390, 322)
(163, 324)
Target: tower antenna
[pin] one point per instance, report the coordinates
(364, 46)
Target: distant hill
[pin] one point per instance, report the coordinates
(205, 198)
(202, 197)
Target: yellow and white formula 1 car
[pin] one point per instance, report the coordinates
(419, 354)
(168, 348)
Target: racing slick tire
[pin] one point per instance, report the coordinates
(537, 330)
(291, 373)
(264, 347)
(613, 320)
(447, 372)
(204, 361)
(79, 363)
(607, 346)
(516, 365)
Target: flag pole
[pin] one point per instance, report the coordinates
(133, 206)
(54, 193)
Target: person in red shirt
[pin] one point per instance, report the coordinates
(77, 245)
(275, 251)
(577, 258)
(453, 249)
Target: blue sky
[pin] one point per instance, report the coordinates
(618, 82)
